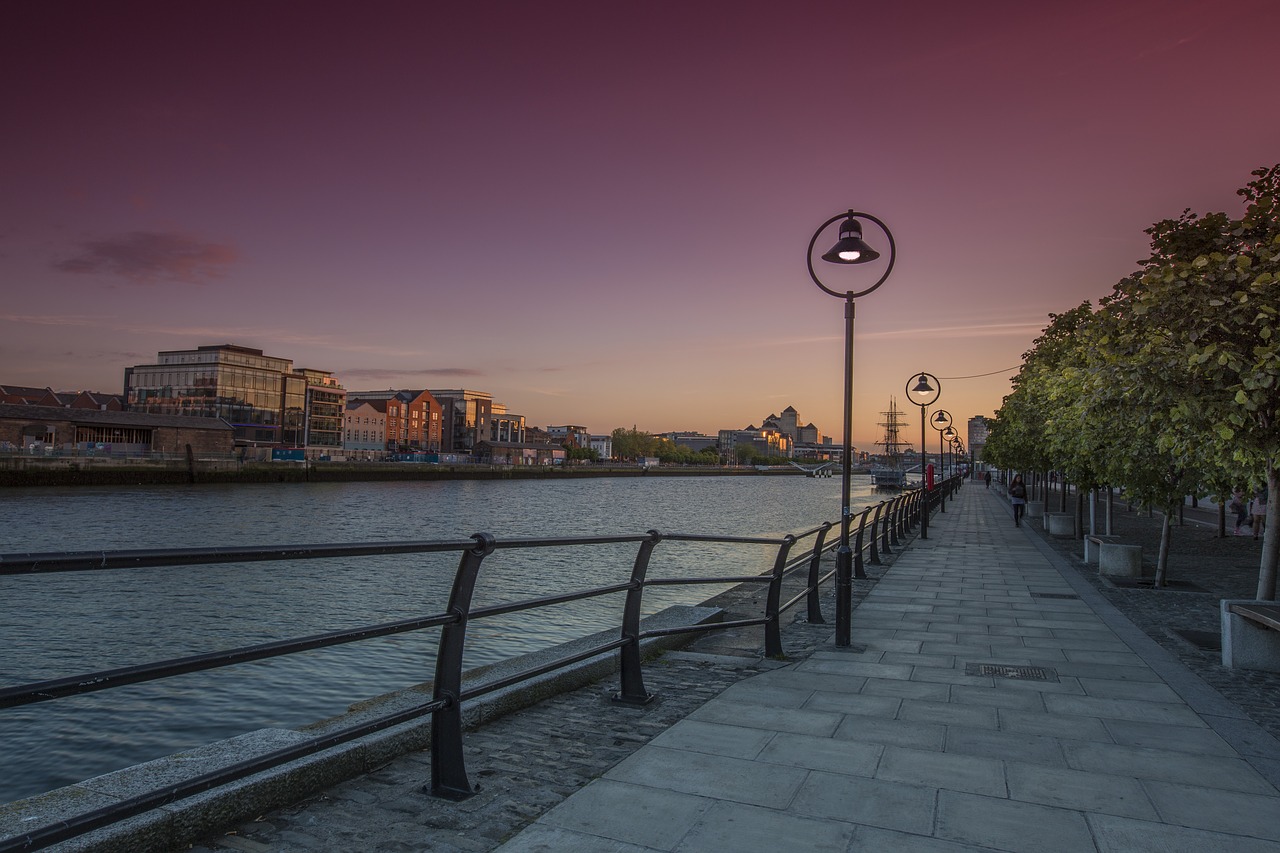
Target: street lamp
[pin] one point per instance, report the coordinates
(951, 436)
(924, 396)
(849, 249)
(941, 421)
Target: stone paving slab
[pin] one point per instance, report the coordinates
(886, 746)
(1064, 754)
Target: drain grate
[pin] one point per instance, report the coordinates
(1053, 595)
(1021, 673)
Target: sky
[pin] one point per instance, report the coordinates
(598, 212)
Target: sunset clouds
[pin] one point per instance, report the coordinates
(149, 258)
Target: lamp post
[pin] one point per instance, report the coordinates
(951, 436)
(849, 249)
(941, 421)
(924, 395)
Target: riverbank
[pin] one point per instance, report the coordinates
(34, 472)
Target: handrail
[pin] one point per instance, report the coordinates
(449, 778)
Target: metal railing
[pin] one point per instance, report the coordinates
(887, 521)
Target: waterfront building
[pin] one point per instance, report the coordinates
(24, 396)
(364, 427)
(789, 424)
(603, 445)
(80, 430)
(769, 442)
(570, 434)
(694, 441)
(466, 417)
(265, 400)
(518, 453)
(504, 426)
(414, 419)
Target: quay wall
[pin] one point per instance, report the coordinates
(25, 471)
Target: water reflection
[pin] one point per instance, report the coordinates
(62, 624)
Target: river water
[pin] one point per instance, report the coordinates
(64, 624)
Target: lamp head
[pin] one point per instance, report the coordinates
(850, 248)
(923, 388)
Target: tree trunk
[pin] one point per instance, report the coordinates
(1270, 540)
(1162, 561)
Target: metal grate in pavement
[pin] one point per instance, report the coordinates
(1053, 595)
(1022, 673)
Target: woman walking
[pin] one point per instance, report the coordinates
(1258, 508)
(1018, 497)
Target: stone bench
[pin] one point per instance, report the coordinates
(1251, 634)
(1120, 561)
(1093, 543)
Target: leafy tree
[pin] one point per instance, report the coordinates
(1204, 312)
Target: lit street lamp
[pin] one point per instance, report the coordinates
(849, 249)
(952, 437)
(941, 421)
(924, 395)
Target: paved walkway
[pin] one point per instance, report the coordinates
(996, 701)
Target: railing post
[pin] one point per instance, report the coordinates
(875, 535)
(772, 630)
(859, 571)
(815, 605)
(891, 525)
(448, 765)
(633, 691)
(884, 528)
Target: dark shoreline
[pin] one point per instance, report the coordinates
(85, 471)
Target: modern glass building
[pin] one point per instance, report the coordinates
(265, 399)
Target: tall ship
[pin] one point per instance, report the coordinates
(888, 474)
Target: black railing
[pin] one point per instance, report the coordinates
(448, 768)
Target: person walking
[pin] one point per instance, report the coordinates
(1018, 497)
(1258, 507)
(986, 478)
(1240, 506)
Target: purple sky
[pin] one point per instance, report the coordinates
(598, 212)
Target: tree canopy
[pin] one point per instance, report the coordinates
(1171, 385)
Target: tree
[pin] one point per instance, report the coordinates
(1202, 332)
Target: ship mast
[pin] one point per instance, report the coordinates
(893, 445)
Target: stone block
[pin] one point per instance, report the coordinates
(1245, 643)
(1120, 561)
(1060, 524)
(1035, 509)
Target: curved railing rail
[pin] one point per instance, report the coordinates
(887, 521)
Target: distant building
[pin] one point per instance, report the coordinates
(364, 429)
(694, 441)
(465, 416)
(414, 419)
(265, 400)
(789, 423)
(505, 426)
(518, 453)
(979, 431)
(769, 442)
(24, 396)
(570, 434)
(603, 445)
(69, 429)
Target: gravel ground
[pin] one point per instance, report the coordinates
(1202, 570)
